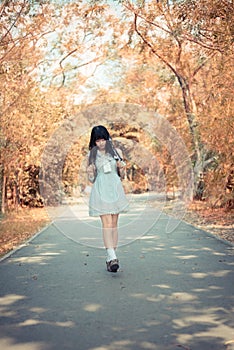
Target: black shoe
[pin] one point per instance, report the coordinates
(113, 265)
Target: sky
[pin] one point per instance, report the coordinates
(103, 75)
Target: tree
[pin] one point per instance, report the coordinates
(43, 47)
(216, 119)
(184, 36)
(19, 57)
(54, 59)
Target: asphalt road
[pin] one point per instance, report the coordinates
(173, 290)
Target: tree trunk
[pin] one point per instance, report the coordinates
(3, 191)
(1, 187)
(199, 151)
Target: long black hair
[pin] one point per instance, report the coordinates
(100, 132)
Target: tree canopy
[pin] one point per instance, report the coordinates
(174, 58)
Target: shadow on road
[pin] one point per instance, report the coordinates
(172, 292)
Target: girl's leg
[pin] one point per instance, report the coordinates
(115, 230)
(107, 228)
(107, 231)
(110, 230)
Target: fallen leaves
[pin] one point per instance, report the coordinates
(18, 226)
(219, 222)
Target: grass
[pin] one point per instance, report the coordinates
(18, 226)
(219, 222)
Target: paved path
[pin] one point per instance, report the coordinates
(173, 291)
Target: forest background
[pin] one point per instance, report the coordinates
(60, 58)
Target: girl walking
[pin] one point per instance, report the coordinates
(107, 198)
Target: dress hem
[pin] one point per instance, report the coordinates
(109, 213)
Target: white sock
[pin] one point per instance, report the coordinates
(110, 254)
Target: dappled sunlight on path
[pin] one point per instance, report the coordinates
(173, 291)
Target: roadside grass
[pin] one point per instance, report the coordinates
(18, 226)
(219, 222)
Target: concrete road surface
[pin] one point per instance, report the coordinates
(173, 291)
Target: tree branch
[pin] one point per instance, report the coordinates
(152, 48)
(136, 13)
(13, 24)
(206, 46)
(76, 67)
(2, 7)
(22, 39)
(203, 64)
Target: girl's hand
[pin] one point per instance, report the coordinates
(91, 169)
(120, 164)
(121, 169)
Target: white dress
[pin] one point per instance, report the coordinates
(107, 195)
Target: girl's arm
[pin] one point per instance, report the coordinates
(121, 165)
(91, 171)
